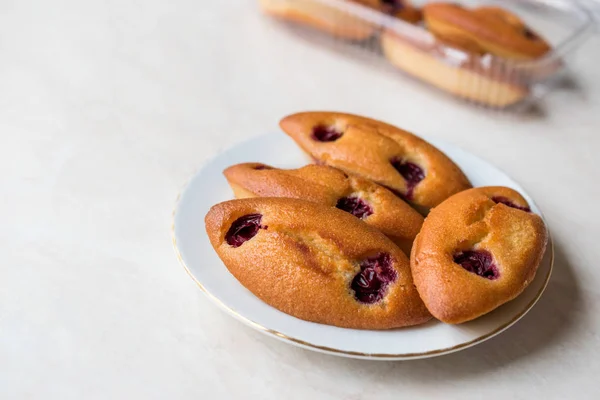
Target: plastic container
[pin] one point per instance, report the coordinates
(485, 80)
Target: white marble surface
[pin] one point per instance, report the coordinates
(107, 108)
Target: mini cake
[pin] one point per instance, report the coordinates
(453, 66)
(389, 156)
(495, 30)
(316, 263)
(360, 197)
(476, 251)
(320, 15)
(467, 54)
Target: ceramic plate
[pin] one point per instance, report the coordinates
(193, 249)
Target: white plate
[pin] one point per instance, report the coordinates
(193, 249)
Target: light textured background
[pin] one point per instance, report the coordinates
(107, 108)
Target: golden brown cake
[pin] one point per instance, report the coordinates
(495, 30)
(385, 154)
(476, 251)
(316, 263)
(322, 16)
(329, 186)
(454, 66)
(467, 55)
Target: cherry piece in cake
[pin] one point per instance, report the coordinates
(244, 229)
(507, 202)
(529, 34)
(479, 262)
(392, 6)
(411, 172)
(260, 167)
(324, 133)
(375, 274)
(355, 206)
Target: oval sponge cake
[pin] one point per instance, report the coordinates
(494, 29)
(316, 263)
(476, 251)
(331, 18)
(385, 154)
(329, 186)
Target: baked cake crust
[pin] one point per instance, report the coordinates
(495, 30)
(477, 221)
(331, 187)
(304, 259)
(368, 148)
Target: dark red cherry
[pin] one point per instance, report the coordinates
(376, 273)
(411, 172)
(479, 262)
(244, 229)
(355, 206)
(325, 133)
(392, 6)
(529, 34)
(507, 202)
(367, 280)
